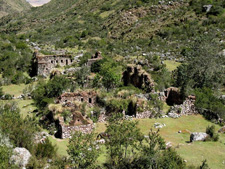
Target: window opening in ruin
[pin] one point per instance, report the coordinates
(61, 61)
(90, 100)
(82, 99)
(78, 120)
(65, 100)
(66, 62)
(52, 61)
(71, 60)
(46, 68)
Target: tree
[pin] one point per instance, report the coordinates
(82, 75)
(83, 150)
(204, 67)
(111, 78)
(123, 142)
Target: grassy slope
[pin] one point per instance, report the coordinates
(11, 6)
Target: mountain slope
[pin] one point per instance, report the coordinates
(11, 6)
(121, 27)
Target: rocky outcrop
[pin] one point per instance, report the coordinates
(138, 77)
(20, 157)
(198, 137)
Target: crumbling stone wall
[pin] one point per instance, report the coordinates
(138, 77)
(78, 123)
(173, 96)
(94, 58)
(88, 97)
(45, 63)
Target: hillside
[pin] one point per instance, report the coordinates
(12, 6)
(138, 25)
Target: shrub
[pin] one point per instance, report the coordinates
(210, 130)
(45, 150)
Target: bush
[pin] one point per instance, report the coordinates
(213, 136)
(45, 150)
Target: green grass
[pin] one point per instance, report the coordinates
(106, 14)
(15, 90)
(171, 65)
(25, 107)
(61, 144)
(194, 153)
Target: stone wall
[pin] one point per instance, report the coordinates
(45, 63)
(88, 97)
(67, 131)
(94, 58)
(144, 115)
(187, 108)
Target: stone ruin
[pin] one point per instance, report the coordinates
(94, 58)
(78, 123)
(138, 77)
(45, 63)
(88, 97)
(172, 96)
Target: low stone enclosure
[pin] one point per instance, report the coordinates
(88, 97)
(138, 77)
(45, 63)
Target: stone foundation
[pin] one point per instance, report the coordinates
(67, 131)
(144, 115)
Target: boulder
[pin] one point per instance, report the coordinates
(158, 125)
(20, 157)
(198, 137)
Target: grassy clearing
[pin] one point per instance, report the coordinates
(194, 153)
(171, 65)
(61, 144)
(15, 90)
(25, 107)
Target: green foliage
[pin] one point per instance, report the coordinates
(20, 131)
(44, 92)
(82, 75)
(204, 69)
(209, 105)
(5, 154)
(124, 140)
(85, 58)
(83, 150)
(45, 150)
(211, 131)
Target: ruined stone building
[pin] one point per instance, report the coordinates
(138, 77)
(94, 58)
(45, 63)
(88, 97)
